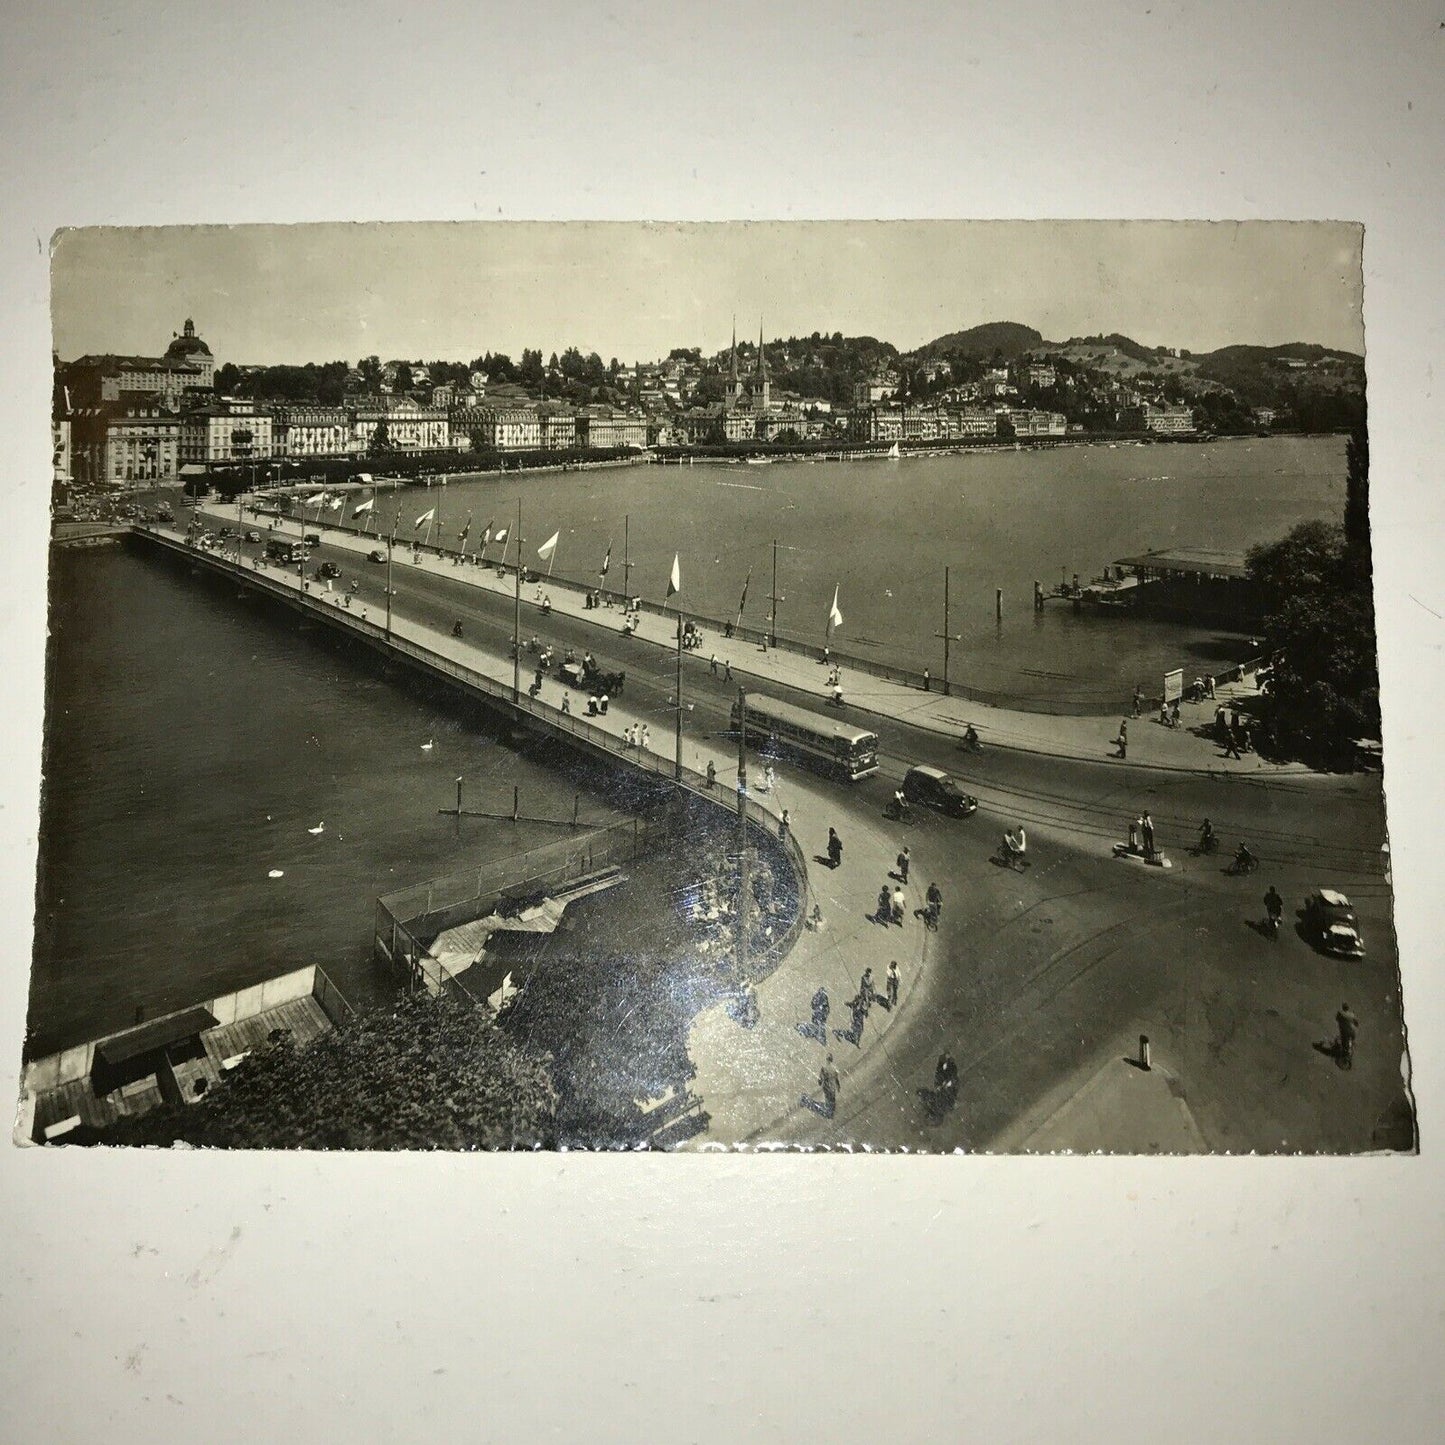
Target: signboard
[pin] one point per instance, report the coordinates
(1173, 686)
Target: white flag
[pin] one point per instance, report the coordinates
(336, 503)
(425, 517)
(366, 506)
(549, 546)
(835, 618)
(501, 536)
(674, 581)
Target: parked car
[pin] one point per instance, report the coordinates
(312, 539)
(328, 569)
(933, 788)
(1331, 925)
(253, 535)
(376, 555)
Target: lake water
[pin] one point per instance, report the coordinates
(192, 742)
(882, 533)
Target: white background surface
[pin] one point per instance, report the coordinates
(307, 1297)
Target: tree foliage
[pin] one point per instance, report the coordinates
(423, 1074)
(1316, 586)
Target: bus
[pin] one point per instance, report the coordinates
(281, 549)
(829, 744)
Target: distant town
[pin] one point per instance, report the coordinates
(125, 421)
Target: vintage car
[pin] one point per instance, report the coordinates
(328, 569)
(1331, 925)
(933, 788)
(376, 555)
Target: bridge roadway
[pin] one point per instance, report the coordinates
(1040, 980)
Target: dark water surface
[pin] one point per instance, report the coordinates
(882, 532)
(192, 739)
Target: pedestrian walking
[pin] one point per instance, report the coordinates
(645, 741)
(828, 1082)
(821, 1007)
(885, 904)
(713, 664)
(904, 859)
(566, 702)
(1123, 739)
(891, 983)
(1231, 745)
(1349, 1027)
(769, 778)
(711, 773)
(835, 848)
(927, 680)
(865, 989)
(900, 903)
(934, 899)
(1135, 834)
(1209, 687)
(860, 1016)
(784, 824)
(1146, 832)
(1138, 698)
(727, 671)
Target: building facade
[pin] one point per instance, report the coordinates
(409, 425)
(227, 432)
(506, 428)
(311, 431)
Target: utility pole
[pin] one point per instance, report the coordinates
(626, 559)
(744, 878)
(391, 537)
(946, 635)
(517, 616)
(773, 614)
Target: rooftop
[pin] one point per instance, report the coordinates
(1192, 561)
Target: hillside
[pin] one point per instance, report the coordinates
(1006, 338)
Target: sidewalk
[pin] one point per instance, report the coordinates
(1089, 739)
(751, 1078)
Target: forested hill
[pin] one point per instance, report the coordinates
(1005, 339)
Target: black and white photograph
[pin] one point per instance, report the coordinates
(890, 686)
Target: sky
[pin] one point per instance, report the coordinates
(452, 291)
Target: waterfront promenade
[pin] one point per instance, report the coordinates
(752, 1082)
(1070, 737)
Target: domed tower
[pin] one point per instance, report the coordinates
(189, 347)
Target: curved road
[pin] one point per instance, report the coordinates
(1039, 980)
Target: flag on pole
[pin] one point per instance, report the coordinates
(487, 536)
(425, 517)
(366, 506)
(607, 560)
(674, 581)
(501, 536)
(466, 530)
(336, 503)
(549, 546)
(743, 600)
(835, 618)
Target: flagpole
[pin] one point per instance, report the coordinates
(773, 615)
(626, 558)
(517, 613)
(677, 767)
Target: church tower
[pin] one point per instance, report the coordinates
(762, 387)
(734, 393)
